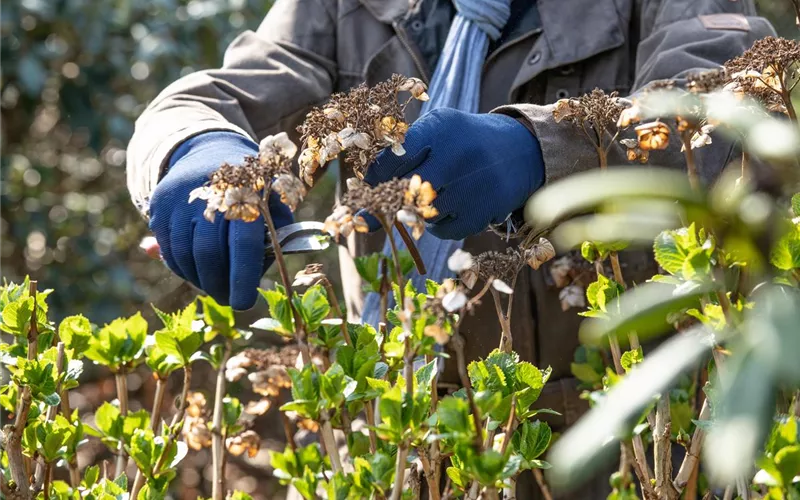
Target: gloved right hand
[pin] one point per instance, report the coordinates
(224, 258)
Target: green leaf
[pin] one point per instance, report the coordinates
(135, 420)
(231, 411)
(279, 310)
(17, 316)
(52, 399)
(425, 375)
(667, 253)
(786, 252)
(108, 420)
(630, 358)
(583, 192)
(368, 268)
(578, 453)
(218, 317)
(796, 204)
(585, 373)
(453, 414)
(787, 461)
(531, 439)
(313, 307)
(76, 333)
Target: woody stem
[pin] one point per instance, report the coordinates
(287, 284)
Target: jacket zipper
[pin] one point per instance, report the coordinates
(401, 35)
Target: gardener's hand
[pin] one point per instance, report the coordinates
(224, 258)
(483, 167)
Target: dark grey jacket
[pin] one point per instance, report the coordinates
(550, 49)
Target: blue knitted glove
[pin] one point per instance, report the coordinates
(224, 258)
(483, 167)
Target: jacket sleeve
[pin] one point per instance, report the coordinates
(268, 80)
(677, 37)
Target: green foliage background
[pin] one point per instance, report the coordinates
(76, 73)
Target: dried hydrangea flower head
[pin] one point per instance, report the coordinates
(195, 429)
(596, 111)
(361, 123)
(240, 191)
(705, 82)
(406, 200)
(500, 266)
(765, 71)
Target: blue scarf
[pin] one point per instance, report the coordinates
(456, 83)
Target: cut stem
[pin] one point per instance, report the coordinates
(369, 414)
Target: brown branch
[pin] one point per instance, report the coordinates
(121, 378)
(458, 345)
(543, 487)
(218, 433)
(326, 432)
(369, 413)
(430, 476)
(662, 450)
(692, 458)
(287, 283)
(506, 339)
(412, 248)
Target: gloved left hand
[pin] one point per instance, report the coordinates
(483, 167)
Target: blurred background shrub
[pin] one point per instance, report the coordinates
(76, 74)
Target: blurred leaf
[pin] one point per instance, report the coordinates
(644, 310)
(586, 446)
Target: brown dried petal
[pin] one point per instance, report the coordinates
(653, 136)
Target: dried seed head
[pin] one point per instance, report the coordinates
(493, 265)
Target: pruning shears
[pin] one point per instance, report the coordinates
(300, 237)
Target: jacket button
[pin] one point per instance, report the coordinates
(416, 25)
(535, 58)
(562, 93)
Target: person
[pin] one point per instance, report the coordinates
(489, 159)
